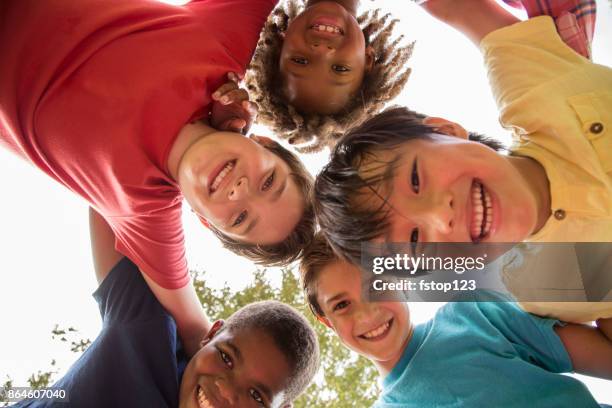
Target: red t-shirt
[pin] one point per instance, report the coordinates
(94, 93)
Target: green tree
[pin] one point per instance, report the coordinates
(344, 380)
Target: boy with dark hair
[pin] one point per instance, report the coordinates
(264, 355)
(429, 183)
(480, 351)
(319, 68)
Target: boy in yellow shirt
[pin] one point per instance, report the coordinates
(408, 179)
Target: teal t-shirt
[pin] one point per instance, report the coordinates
(484, 354)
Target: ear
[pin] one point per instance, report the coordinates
(370, 58)
(262, 140)
(217, 325)
(324, 320)
(446, 127)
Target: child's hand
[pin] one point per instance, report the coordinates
(232, 110)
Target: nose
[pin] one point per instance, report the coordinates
(226, 392)
(366, 312)
(321, 48)
(437, 215)
(239, 189)
(321, 45)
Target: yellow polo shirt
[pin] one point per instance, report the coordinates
(559, 107)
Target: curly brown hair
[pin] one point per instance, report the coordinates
(292, 247)
(312, 132)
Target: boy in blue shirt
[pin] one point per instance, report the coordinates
(264, 355)
(484, 351)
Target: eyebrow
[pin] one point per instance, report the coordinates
(275, 196)
(336, 297)
(241, 360)
(235, 350)
(279, 190)
(265, 390)
(251, 226)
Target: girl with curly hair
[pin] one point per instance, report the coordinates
(320, 67)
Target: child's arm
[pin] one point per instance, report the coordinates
(474, 18)
(183, 304)
(588, 347)
(605, 326)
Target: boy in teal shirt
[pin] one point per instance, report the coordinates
(483, 351)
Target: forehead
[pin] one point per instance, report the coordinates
(261, 361)
(335, 278)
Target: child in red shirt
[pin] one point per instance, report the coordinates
(105, 96)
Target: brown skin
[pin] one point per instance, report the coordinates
(322, 71)
(244, 370)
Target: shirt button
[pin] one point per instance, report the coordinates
(559, 214)
(596, 128)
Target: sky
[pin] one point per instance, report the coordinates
(46, 273)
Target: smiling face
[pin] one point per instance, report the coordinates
(447, 189)
(378, 331)
(323, 59)
(235, 371)
(241, 188)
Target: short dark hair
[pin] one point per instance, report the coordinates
(316, 257)
(292, 247)
(313, 132)
(291, 333)
(341, 181)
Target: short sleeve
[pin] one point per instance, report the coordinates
(532, 337)
(239, 24)
(124, 296)
(525, 56)
(155, 242)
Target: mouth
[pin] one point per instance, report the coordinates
(203, 401)
(327, 29)
(482, 212)
(378, 333)
(219, 175)
(327, 26)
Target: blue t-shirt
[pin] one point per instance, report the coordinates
(136, 360)
(484, 354)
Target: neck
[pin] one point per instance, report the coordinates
(537, 181)
(386, 366)
(188, 135)
(350, 5)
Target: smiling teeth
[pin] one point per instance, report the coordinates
(327, 28)
(482, 211)
(203, 402)
(377, 331)
(217, 182)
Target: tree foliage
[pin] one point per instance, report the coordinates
(344, 380)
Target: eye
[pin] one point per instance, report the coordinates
(299, 60)
(340, 68)
(240, 219)
(414, 239)
(414, 177)
(341, 305)
(268, 183)
(227, 360)
(257, 397)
